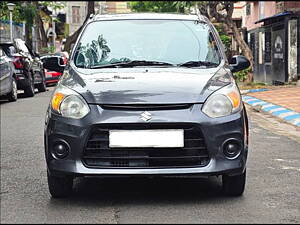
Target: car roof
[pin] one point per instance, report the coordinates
(139, 16)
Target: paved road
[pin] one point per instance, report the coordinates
(272, 193)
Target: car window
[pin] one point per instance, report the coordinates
(171, 41)
(8, 49)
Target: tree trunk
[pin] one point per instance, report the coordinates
(41, 34)
(213, 11)
(28, 39)
(246, 51)
(71, 39)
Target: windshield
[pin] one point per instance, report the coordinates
(172, 42)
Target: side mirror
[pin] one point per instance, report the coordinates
(238, 63)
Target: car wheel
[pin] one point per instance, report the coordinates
(234, 185)
(42, 86)
(13, 95)
(29, 91)
(60, 187)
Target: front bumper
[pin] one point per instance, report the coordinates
(215, 133)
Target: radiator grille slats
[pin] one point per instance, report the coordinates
(98, 154)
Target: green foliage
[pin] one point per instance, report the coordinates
(242, 75)
(50, 49)
(226, 40)
(26, 11)
(153, 6)
(18, 13)
(160, 6)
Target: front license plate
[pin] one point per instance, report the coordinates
(171, 138)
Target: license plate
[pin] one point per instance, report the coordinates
(171, 138)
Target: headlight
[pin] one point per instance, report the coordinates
(69, 103)
(223, 102)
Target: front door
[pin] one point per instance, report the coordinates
(278, 53)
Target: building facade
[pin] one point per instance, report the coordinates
(112, 7)
(273, 34)
(75, 14)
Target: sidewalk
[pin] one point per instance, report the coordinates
(280, 102)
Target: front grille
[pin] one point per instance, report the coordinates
(145, 106)
(98, 154)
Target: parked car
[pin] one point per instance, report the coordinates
(28, 67)
(54, 65)
(8, 83)
(147, 95)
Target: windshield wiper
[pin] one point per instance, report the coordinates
(132, 64)
(197, 64)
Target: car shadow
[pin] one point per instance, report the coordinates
(135, 191)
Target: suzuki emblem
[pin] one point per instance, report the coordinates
(146, 116)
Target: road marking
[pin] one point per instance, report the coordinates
(291, 117)
(267, 109)
(283, 115)
(281, 110)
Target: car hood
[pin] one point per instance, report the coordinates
(141, 86)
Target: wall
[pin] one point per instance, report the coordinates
(117, 7)
(83, 10)
(287, 6)
(269, 9)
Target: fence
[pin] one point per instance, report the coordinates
(18, 30)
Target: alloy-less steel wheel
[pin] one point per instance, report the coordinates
(13, 95)
(29, 90)
(60, 187)
(234, 185)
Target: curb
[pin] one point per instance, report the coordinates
(287, 115)
(253, 90)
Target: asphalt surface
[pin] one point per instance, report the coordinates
(272, 191)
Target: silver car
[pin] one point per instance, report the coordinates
(147, 95)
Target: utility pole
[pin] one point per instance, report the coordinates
(11, 7)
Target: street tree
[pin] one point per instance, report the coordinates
(154, 6)
(71, 39)
(221, 12)
(31, 13)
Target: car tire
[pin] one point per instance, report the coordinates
(60, 187)
(29, 90)
(42, 86)
(234, 185)
(13, 95)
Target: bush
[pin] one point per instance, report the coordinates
(50, 49)
(242, 75)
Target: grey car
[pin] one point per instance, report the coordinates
(8, 83)
(147, 95)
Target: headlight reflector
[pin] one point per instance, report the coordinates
(217, 106)
(223, 102)
(69, 103)
(74, 107)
